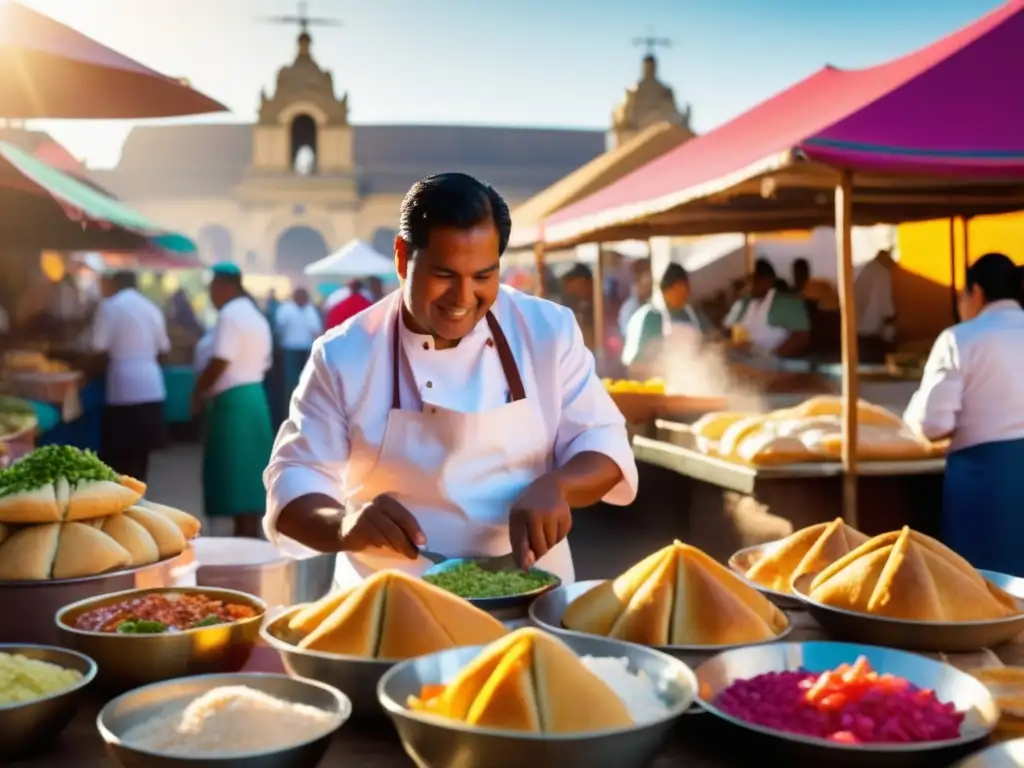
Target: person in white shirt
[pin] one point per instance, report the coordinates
(876, 308)
(972, 392)
(457, 416)
(237, 434)
(130, 331)
(297, 324)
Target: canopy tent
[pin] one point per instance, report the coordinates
(791, 162)
(53, 71)
(356, 259)
(936, 133)
(527, 219)
(44, 208)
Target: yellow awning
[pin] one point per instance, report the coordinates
(588, 179)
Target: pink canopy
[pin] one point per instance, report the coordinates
(951, 108)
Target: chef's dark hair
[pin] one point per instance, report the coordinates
(997, 276)
(451, 200)
(764, 268)
(124, 279)
(674, 273)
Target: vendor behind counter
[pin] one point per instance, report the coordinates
(770, 320)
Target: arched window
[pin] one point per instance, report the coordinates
(298, 247)
(215, 244)
(303, 146)
(384, 240)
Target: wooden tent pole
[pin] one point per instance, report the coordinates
(952, 269)
(967, 244)
(844, 255)
(748, 254)
(538, 263)
(599, 308)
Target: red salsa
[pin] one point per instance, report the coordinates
(160, 613)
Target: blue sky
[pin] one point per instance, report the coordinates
(527, 62)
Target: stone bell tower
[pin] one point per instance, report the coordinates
(647, 102)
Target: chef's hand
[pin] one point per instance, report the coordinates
(539, 519)
(382, 523)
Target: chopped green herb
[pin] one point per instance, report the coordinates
(469, 580)
(141, 627)
(45, 465)
(209, 621)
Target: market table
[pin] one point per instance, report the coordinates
(698, 741)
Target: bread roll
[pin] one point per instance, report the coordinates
(84, 551)
(170, 541)
(189, 525)
(98, 499)
(28, 553)
(133, 537)
(764, 449)
(868, 414)
(736, 433)
(394, 616)
(712, 426)
(38, 506)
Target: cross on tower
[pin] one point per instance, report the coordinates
(303, 19)
(650, 42)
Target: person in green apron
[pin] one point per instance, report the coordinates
(237, 432)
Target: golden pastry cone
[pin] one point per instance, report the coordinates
(190, 525)
(353, 629)
(137, 486)
(84, 551)
(905, 588)
(99, 498)
(712, 426)
(596, 610)
(27, 554)
(463, 622)
(408, 628)
(170, 541)
(130, 535)
(707, 613)
(562, 682)
(311, 616)
(508, 699)
(808, 550)
(647, 619)
(31, 507)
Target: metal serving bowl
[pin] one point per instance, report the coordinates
(912, 635)
(1009, 754)
(26, 726)
(127, 661)
(135, 707)
(547, 611)
(948, 683)
(745, 559)
(355, 675)
(434, 742)
(504, 608)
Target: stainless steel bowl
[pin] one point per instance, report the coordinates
(1009, 754)
(745, 559)
(36, 602)
(433, 742)
(929, 636)
(127, 661)
(547, 611)
(504, 608)
(135, 707)
(949, 684)
(355, 675)
(31, 725)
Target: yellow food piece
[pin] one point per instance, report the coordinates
(653, 386)
(23, 679)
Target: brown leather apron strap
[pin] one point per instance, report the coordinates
(508, 361)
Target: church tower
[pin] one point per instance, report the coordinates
(647, 102)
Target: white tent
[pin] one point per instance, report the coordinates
(357, 259)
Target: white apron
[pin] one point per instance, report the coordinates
(458, 473)
(764, 338)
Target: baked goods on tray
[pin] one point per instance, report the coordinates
(528, 681)
(392, 616)
(907, 575)
(677, 596)
(809, 550)
(59, 483)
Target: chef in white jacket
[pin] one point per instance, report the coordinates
(456, 416)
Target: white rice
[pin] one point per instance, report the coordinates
(230, 720)
(641, 695)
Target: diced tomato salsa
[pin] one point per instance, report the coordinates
(172, 611)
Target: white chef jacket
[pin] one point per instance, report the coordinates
(132, 331)
(872, 295)
(297, 327)
(345, 393)
(973, 382)
(243, 340)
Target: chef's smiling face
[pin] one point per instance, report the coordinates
(451, 284)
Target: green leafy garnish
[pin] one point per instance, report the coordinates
(209, 621)
(469, 580)
(141, 627)
(45, 465)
